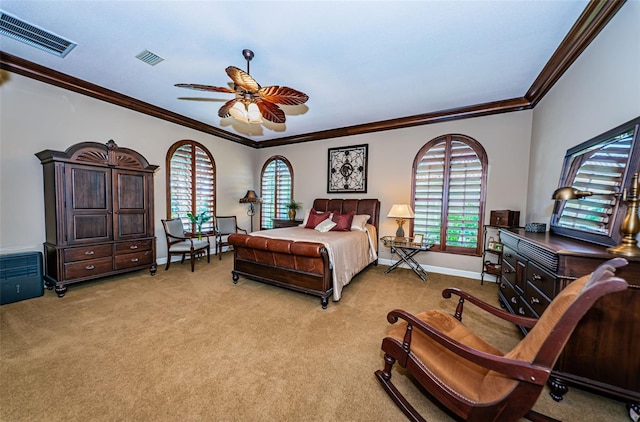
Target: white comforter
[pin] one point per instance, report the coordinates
(349, 252)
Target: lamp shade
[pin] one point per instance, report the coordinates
(401, 211)
(250, 197)
(568, 192)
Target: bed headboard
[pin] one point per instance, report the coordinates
(358, 206)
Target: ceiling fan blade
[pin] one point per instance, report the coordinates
(270, 111)
(283, 95)
(205, 88)
(242, 79)
(224, 110)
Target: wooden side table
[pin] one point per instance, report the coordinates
(406, 249)
(280, 223)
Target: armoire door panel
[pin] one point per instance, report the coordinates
(131, 224)
(88, 204)
(130, 204)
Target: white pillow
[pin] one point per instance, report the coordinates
(306, 217)
(359, 222)
(325, 226)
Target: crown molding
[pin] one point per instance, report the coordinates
(592, 20)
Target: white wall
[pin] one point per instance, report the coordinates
(600, 91)
(525, 149)
(505, 137)
(37, 116)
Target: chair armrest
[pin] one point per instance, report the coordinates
(515, 319)
(517, 369)
(177, 238)
(239, 229)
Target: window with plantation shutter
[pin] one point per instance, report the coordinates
(276, 190)
(449, 178)
(599, 170)
(191, 185)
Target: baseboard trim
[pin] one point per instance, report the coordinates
(440, 270)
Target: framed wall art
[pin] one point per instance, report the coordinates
(348, 169)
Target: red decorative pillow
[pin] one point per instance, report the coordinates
(315, 218)
(343, 222)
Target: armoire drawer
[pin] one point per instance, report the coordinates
(87, 252)
(129, 260)
(89, 268)
(133, 246)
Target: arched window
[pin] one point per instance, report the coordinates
(276, 190)
(449, 183)
(191, 183)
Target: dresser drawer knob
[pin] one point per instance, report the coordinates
(521, 311)
(89, 253)
(514, 300)
(133, 247)
(135, 260)
(503, 286)
(90, 267)
(537, 277)
(508, 255)
(534, 300)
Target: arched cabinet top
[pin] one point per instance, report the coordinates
(95, 153)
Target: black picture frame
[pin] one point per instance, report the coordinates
(347, 170)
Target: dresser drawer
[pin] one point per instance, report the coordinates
(87, 252)
(544, 281)
(509, 295)
(536, 299)
(508, 255)
(135, 259)
(88, 268)
(133, 246)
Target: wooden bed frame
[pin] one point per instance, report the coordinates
(299, 266)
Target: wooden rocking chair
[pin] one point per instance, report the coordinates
(471, 378)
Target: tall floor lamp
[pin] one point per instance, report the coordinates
(251, 198)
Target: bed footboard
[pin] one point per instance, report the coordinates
(299, 266)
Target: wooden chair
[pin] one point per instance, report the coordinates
(225, 225)
(471, 378)
(179, 244)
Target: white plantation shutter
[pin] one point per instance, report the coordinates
(191, 184)
(600, 172)
(448, 200)
(276, 190)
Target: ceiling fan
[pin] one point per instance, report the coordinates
(252, 102)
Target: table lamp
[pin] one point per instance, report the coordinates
(400, 212)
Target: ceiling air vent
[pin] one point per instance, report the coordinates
(149, 58)
(20, 30)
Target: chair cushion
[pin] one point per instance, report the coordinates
(460, 375)
(528, 348)
(185, 246)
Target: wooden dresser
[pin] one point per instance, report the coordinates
(603, 354)
(98, 202)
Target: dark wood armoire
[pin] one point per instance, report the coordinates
(98, 201)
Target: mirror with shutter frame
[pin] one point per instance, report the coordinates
(603, 166)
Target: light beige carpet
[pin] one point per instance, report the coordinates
(185, 346)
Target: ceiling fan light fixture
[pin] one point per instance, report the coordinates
(254, 113)
(246, 112)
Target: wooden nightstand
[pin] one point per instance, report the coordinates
(279, 223)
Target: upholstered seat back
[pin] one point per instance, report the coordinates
(174, 227)
(496, 384)
(226, 225)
